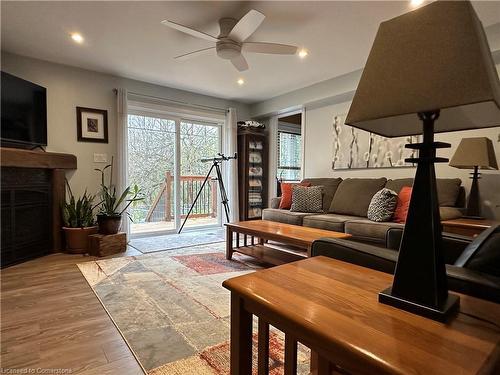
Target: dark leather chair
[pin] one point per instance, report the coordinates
(458, 253)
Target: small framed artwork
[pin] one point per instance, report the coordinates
(92, 125)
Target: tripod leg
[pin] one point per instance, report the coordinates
(223, 194)
(197, 196)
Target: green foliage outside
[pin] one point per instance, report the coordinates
(151, 154)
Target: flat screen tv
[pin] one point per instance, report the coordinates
(24, 113)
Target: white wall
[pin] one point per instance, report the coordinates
(319, 150)
(69, 87)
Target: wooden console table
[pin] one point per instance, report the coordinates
(332, 307)
(261, 231)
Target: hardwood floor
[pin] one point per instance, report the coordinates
(51, 319)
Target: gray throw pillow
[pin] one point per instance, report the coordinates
(382, 205)
(307, 199)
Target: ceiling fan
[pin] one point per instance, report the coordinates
(231, 41)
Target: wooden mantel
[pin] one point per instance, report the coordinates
(15, 157)
(58, 164)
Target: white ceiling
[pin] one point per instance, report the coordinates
(127, 39)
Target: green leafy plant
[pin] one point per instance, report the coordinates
(78, 213)
(110, 200)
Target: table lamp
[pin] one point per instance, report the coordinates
(429, 70)
(474, 153)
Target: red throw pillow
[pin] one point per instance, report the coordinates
(403, 204)
(286, 193)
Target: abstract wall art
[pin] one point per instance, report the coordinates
(354, 148)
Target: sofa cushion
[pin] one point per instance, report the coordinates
(330, 186)
(367, 230)
(448, 189)
(284, 216)
(354, 195)
(449, 213)
(328, 221)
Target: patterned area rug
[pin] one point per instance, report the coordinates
(173, 241)
(174, 313)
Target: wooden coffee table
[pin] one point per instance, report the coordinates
(256, 233)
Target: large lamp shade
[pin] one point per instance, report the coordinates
(432, 65)
(435, 57)
(474, 152)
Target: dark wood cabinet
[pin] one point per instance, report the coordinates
(252, 173)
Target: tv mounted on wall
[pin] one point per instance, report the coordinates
(24, 113)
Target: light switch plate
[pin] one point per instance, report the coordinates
(100, 158)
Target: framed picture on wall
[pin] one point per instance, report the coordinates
(92, 125)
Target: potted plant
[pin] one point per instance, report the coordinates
(109, 218)
(79, 223)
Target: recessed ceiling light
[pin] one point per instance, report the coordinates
(303, 53)
(77, 37)
(240, 81)
(416, 3)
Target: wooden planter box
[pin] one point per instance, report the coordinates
(101, 245)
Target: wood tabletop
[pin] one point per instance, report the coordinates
(333, 307)
(470, 223)
(283, 232)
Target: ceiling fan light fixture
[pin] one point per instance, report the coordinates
(241, 81)
(227, 49)
(231, 41)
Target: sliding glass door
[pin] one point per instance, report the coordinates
(164, 155)
(199, 140)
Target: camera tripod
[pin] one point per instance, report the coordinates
(216, 162)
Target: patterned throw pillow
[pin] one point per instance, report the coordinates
(382, 205)
(307, 199)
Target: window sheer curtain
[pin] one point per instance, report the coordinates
(231, 167)
(273, 157)
(122, 145)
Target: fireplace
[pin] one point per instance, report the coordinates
(26, 214)
(32, 191)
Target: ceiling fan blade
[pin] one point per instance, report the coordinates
(273, 48)
(197, 53)
(240, 63)
(246, 25)
(189, 30)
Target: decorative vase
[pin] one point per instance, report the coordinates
(77, 239)
(109, 224)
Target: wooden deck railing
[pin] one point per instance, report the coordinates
(163, 206)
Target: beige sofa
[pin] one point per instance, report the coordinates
(345, 206)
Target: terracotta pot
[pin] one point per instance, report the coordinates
(109, 224)
(77, 239)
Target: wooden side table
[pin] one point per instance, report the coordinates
(467, 227)
(332, 307)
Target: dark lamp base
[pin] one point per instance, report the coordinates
(441, 314)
